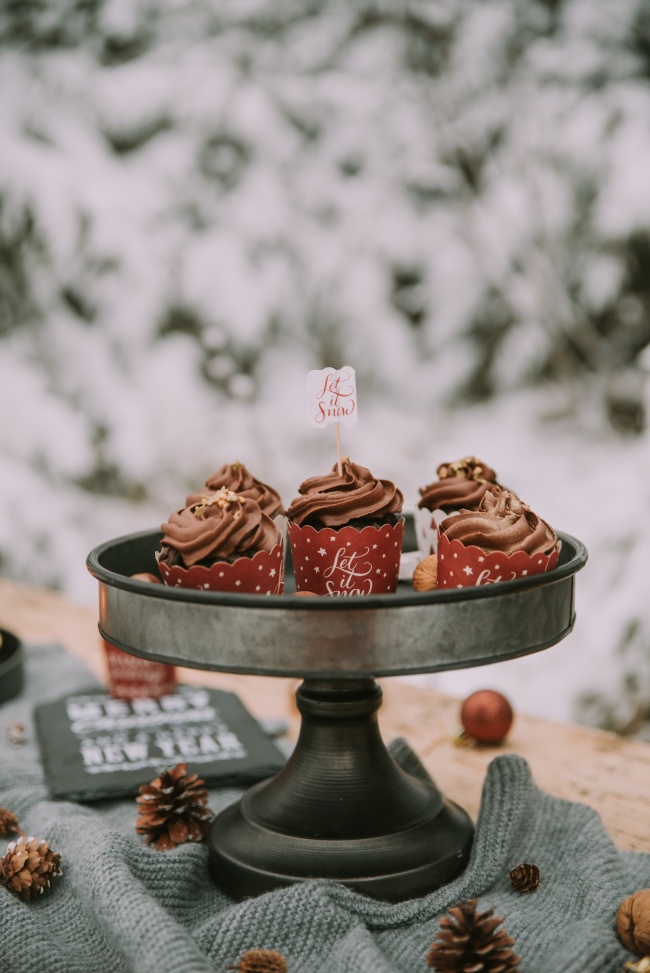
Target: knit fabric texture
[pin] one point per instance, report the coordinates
(122, 907)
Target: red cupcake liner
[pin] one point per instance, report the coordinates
(262, 574)
(347, 562)
(461, 566)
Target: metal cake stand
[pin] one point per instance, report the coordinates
(342, 808)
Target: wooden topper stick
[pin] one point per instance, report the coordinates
(338, 447)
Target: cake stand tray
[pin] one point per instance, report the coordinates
(342, 808)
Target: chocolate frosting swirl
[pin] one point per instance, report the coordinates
(236, 477)
(333, 500)
(221, 525)
(461, 484)
(501, 523)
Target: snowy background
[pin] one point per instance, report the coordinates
(201, 200)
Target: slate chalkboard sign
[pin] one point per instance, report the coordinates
(94, 746)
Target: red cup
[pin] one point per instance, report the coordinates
(461, 566)
(347, 562)
(129, 677)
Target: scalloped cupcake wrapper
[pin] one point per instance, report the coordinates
(426, 527)
(262, 574)
(281, 523)
(461, 566)
(347, 562)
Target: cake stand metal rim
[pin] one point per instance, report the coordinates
(369, 603)
(341, 674)
(337, 638)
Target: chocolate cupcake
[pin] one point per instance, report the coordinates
(461, 485)
(222, 542)
(500, 541)
(346, 532)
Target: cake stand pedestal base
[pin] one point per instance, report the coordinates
(341, 809)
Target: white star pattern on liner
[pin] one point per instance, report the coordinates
(237, 582)
(498, 567)
(272, 572)
(332, 538)
(221, 573)
(306, 558)
(206, 585)
(524, 573)
(459, 586)
(374, 547)
(309, 540)
(383, 555)
(442, 557)
(322, 551)
(260, 568)
(481, 559)
(349, 543)
(316, 570)
(257, 588)
(455, 555)
(378, 570)
(540, 561)
(468, 571)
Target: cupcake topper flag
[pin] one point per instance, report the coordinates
(332, 397)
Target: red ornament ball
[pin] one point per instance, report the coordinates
(486, 716)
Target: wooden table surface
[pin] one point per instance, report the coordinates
(596, 768)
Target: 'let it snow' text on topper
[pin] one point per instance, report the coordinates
(332, 396)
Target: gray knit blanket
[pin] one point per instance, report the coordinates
(122, 907)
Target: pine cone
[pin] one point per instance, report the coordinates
(524, 878)
(468, 942)
(173, 809)
(261, 961)
(9, 823)
(28, 867)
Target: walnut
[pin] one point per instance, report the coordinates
(633, 922)
(425, 576)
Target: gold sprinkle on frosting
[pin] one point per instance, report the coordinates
(222, 498)
(469, 467)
